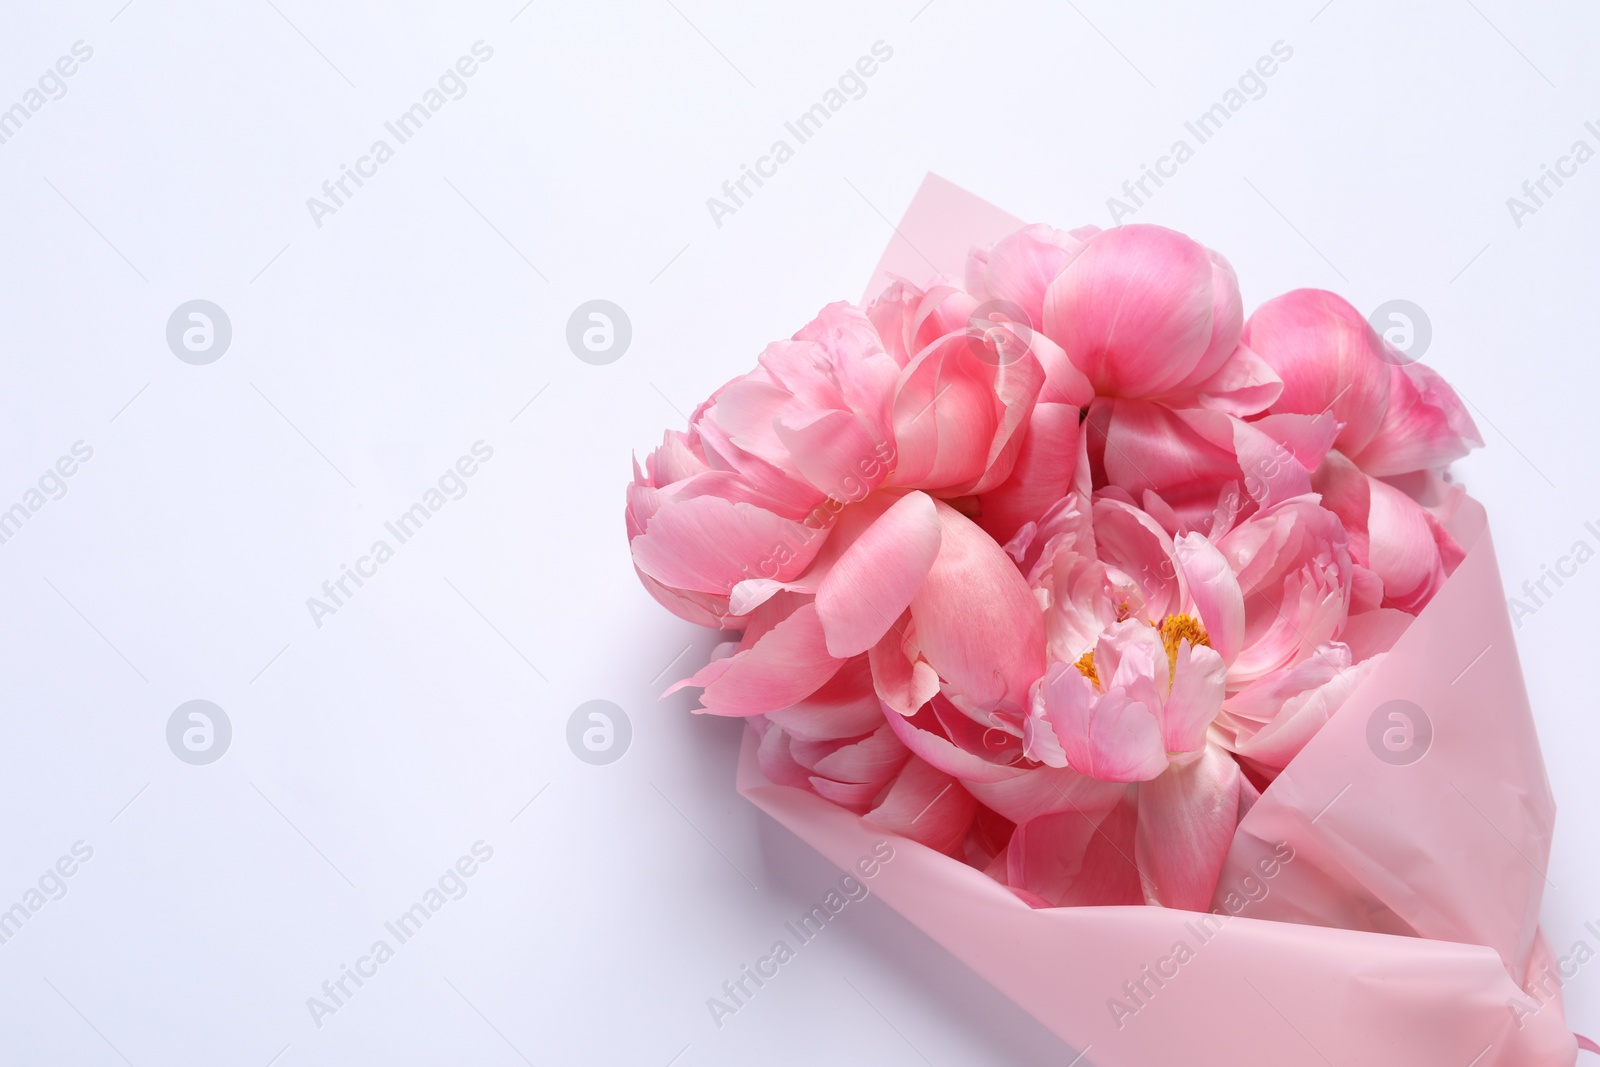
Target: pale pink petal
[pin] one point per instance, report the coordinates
(1020, 267)
(1345, 492)
(944, 417)
(1215, 592)
(1144, 445)
(852, 796)
(872, 583)
(1107, 736)
(836, 452)
(1186, 822)
(1109, 877)
(902, 681)
(1227, 323)
(1131, 541)
(874, 758)
(777, 762)
(1046, 855)
(1405, 550)
(1028, 794)
(857, 364)
(1243, 386)
(1198, 681)
(845, 706)
(707, 545)
(924, 734)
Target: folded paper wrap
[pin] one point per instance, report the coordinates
(1380, 902)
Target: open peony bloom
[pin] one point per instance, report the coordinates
(1054, 568)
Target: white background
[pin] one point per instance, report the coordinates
(429, 312)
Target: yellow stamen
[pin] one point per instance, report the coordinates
(1176, 629)
(1085, 667)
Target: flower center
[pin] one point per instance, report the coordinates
(1085, 667)
(1175, 629)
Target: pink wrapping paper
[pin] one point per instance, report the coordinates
(1407, 855)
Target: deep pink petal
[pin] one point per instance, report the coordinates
(1134, 310)
(1328, 357)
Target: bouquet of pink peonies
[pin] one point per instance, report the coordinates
(1097, 594)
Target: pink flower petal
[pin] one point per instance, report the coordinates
(1405, 548)
(977, 621)
(1328, 358)
(1198, 681)
(1043, 472)
(788, 663)
(708, 544)
(1186, 822)
(872, 583)
(1215, 592)
(1425, 427)
(926, 805)
(1106, 736)
(1134, 310)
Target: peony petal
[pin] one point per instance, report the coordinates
(1134, 310)
(926, 805)
(1245, 385)
(1106, 736)
(836, 452)
(845, 706)
(1215, 592)
(1328, 357)
(788, 663)
(944, 417)
(872, 583)
(1198, 680)
(1043, 472)
(1425, 427)
(1405, 549)
(1146, 446)
(874, 759)
(708, 544)
(1186, 822)
(1021, 266)
(977, 621)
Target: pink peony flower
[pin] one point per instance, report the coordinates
(805, 506)
(1395, 418)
